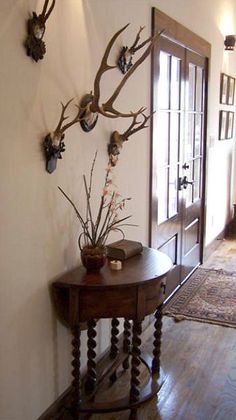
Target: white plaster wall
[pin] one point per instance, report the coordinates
(38, 231)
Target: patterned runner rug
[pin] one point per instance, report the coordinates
(207, 296)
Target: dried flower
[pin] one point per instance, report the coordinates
(96, 230)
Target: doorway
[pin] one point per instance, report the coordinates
(179, 99)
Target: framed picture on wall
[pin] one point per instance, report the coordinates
(230, 125)
(231, 89)
(223, 88)
(222, 125)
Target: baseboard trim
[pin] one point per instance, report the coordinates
(213, 245)
(57, 410)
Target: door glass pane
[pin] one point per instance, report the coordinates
(174, 137)
(162, 189)
(173, 191)
(196, 187)
(164, 79)
(191, 87)
(199, 89)
(198, 134)
(175, 83)
(163, 138)
(189, 137)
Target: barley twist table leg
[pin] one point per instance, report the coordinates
(133, 414)
(91, 379)
(114, 337)
(76, 391)
(114, 345)
(127, 342)
(135, 361)
(157, 341)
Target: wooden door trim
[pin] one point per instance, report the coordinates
(204, 151)
(179, 33)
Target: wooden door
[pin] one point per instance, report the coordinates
(191, 183)
(178, 135)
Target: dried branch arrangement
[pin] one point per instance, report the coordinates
(36, 26)
(96, 229)
(90, 107)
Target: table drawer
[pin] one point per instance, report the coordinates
(105, 304)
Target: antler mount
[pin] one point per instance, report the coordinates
(36, 26)
(90, 107)
(117, 139)
(107, 109)
(53, 143)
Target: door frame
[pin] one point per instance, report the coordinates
(184, 37)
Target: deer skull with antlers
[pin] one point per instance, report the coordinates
(117, 139)
(54, 142)
(36, 26)
(90, 107)
(126, 55)
(107, 109)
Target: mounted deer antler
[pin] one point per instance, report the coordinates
(60, 129)
(117, 139)
(53, 143)
(36, 27)
(107, 109)
(125, 58)
(90, 106)
(45, 15)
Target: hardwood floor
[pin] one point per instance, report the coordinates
(199, 371)
(199, 366)
(224, 257)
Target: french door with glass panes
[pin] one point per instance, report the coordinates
(178, 157)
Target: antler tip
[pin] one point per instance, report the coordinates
(126, 26)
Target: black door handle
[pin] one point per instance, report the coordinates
(183, 182)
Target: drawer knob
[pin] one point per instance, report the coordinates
(163, 287)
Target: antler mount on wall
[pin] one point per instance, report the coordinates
(126, 54)
(53, 143)
(107, 109)
(90, 108)
(36, 26)
(117, 139)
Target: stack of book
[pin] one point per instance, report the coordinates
(123, 249)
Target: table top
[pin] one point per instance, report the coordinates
(137, 270)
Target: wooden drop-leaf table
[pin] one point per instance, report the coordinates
(131, 293)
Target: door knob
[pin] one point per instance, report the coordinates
(185, 166)
(183, 182)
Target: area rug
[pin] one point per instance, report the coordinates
(207, 296)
